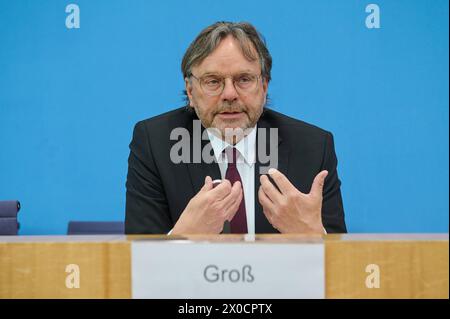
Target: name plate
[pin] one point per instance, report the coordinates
(179, 269)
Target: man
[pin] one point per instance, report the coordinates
(227, 73)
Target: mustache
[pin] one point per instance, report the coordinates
(230, 108)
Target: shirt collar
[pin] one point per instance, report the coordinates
(246, 146)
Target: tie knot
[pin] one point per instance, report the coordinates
(231, 153)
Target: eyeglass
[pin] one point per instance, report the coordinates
(214, 85)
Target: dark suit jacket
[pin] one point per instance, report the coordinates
(159, 190)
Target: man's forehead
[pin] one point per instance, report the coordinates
(228, 56)
(215, 72)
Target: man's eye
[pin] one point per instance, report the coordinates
(212, 82)
(245, 79)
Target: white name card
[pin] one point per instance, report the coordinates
(178, 269)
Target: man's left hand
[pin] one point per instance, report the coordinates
(288, 209)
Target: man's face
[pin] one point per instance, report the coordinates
(232, 108)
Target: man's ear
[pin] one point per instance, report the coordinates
(188, 86)
(265, 86)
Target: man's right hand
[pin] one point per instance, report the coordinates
(207, 211)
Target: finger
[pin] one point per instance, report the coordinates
(233, 208)
(208, 184)
(281, 181)
(265, 201)
(233, 195)
(319, 181)
(267, 205)
(270, 190)
(222, 190)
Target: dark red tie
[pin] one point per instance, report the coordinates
(238, 224)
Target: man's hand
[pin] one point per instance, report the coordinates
(210, 208)
(288, 209)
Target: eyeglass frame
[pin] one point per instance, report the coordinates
(223, 83)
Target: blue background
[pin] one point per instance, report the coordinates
(69, 99)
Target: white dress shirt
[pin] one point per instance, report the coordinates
(245, 163)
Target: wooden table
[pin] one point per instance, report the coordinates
(410, 265)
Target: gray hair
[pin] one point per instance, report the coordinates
(210, 37)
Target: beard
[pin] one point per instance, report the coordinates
(213, 119)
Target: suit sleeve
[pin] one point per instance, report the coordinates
(332, 207)
(147, 209)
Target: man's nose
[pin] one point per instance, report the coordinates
(229, 91)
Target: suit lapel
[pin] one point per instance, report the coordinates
(198, 169)
(262, 225)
